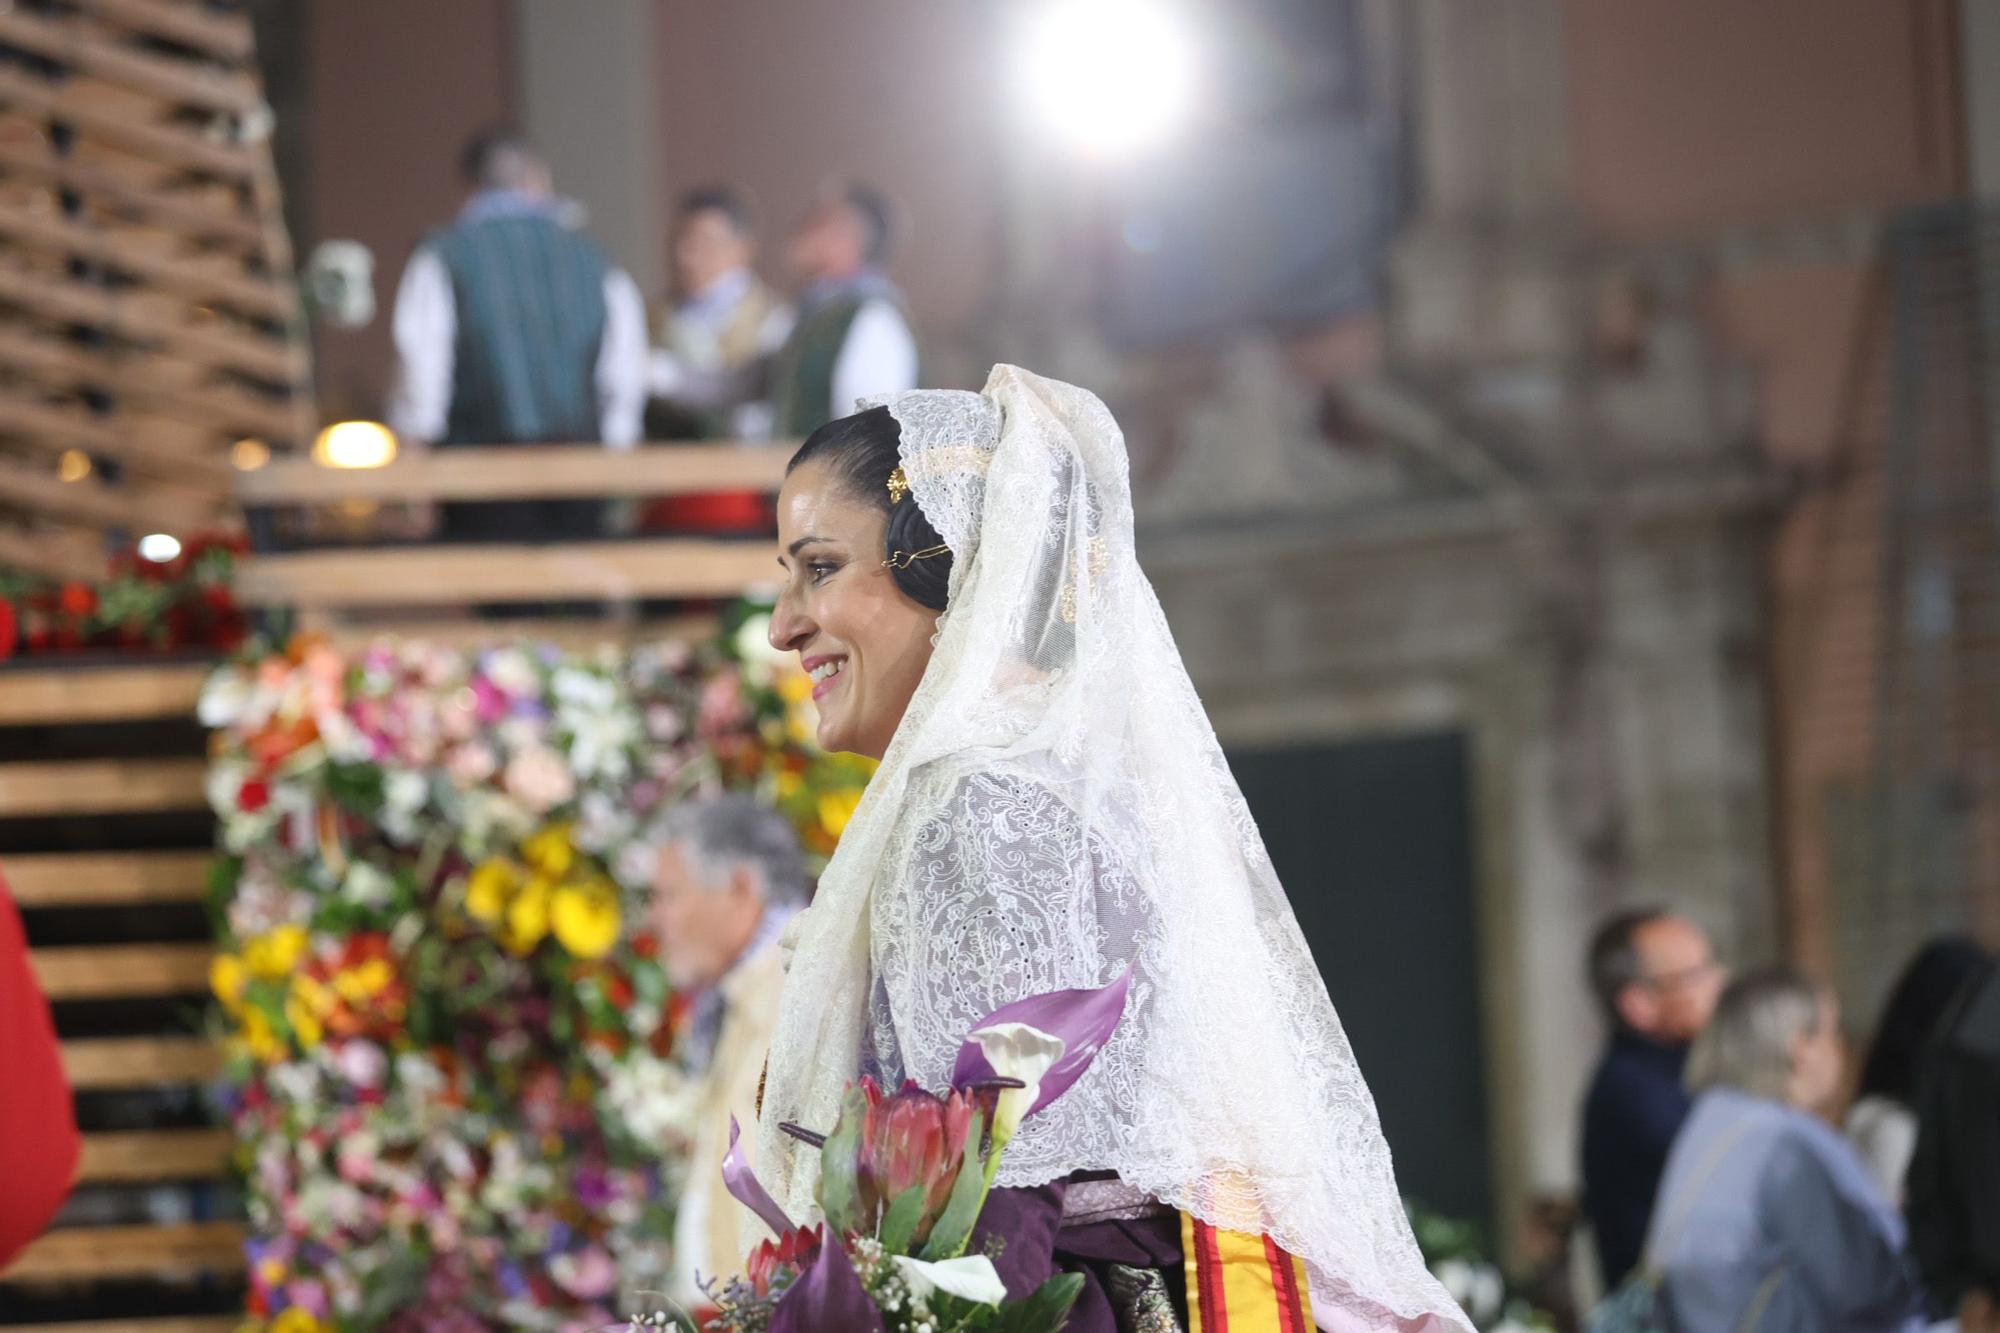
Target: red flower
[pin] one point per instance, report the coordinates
(909, 1139)
(77, 599)
(10, 629)
(783, 1258)
(253, 796)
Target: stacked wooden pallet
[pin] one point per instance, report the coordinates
(125, 973)
(148, 315)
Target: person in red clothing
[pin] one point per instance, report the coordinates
(38, 1142)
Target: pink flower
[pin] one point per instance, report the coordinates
(586, 1274)
(539, 778)
(470, 764)
(361, 1063)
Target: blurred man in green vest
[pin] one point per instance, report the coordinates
(853, 338)
(511, 328)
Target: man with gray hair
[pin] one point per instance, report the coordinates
(726, 876)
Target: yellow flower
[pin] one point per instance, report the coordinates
(292, 1319)
(802, 724)
(585, 917)
(358, 985)
(227, 977)
(788, 784)
(527, 918)
(551, 851)
(260, 1037)
(836, 808)
(794, 686)
(273, 955)
(491, 885)
(305, 1024)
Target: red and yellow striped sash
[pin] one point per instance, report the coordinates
(1238, 1283)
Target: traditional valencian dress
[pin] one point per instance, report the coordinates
(1053, 808)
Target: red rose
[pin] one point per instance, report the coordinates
(77, 599)
(253, 795)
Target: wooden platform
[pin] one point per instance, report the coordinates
(72, 693)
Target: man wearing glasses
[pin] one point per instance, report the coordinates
(1656, 977)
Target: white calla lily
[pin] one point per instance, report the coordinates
(972, 1278)
(1017, 1050)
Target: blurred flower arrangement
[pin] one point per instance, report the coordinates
(1457, 1257)
(903, 1177)
(450, 1071)
(184, 602)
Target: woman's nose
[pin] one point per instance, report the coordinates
(790, 626)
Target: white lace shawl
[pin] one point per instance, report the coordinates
(1053, 806)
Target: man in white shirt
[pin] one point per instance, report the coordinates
(511, 328)
(713, 349)
(854, 338)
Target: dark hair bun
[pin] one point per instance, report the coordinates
(927, 581)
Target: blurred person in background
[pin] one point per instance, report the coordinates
(854, 338)
(1768, 1220)
(38, 1140)
(712, 349)
(1954, 1181)
(511, 328)
(727, 875)
(1882, 1123)
(1656, 978)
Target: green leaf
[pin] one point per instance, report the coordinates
(1047, 1310)
(840, 1165)
(899, 1224)
(968, 1196)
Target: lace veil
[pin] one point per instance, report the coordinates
(1053, 806)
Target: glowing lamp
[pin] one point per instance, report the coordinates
(355, 444)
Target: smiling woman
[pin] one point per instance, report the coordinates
(963, 588)
(866, 579)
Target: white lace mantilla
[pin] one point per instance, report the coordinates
(1054, 807)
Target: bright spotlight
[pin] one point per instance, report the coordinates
(1114, 76)
(158, 547)
(355, 444)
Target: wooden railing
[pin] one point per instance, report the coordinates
(342, 588)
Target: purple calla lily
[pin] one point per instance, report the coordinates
(828, 1297)
(1082, 1019)
(744, 1187)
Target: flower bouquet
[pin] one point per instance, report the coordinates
(903, 1178)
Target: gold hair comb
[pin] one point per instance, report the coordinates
(904, 559)
(899, 486)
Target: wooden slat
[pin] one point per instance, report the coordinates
(42, 162)
(167, 145)
(142, 508)
(161, 76)
(538, 472)
(118, 971)
(53, 429)
(94, 879)
(225, 36)
(166, 272)
(101, 786)
(59, 556)
(153, 1154)
(576, 635)
(100, 694)
(139, 1062)
(449, 575)
(86, 1252)
(116, 313)
(169, 1323)
(141, 377)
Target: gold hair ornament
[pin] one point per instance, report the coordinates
(904, 559)
(899, 486)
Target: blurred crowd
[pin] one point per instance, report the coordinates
(512, 326)
(1737, 1177)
